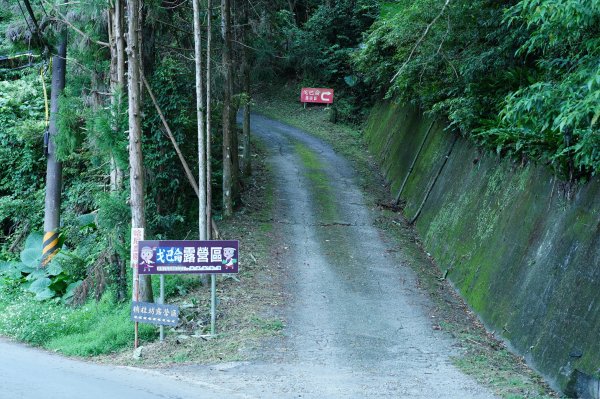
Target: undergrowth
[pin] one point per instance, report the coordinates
(92, 329)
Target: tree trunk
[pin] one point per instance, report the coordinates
(208, 121)
(201, 125)
(228, 172)
(54, 166)
(246, 160)
(120, 42)
(117, 83)
(113, 83)
(136, 172)
(233, 88)
(117, 80)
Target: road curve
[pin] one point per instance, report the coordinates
(29, 373)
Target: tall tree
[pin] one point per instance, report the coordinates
(117, 84)
(228, 171)
(201, 126)
(234, 58)
(246, 166)
(208, 116)
(54, 166)
(117, 78)
(136, 172)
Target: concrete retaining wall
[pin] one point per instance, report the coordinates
(522, 247)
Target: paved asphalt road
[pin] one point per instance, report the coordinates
(28, 373)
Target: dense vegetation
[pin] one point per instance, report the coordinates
(519, 77)
(95, 220)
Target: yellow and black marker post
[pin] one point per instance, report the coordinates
(50, 247)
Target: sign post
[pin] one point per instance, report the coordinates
(213, 304)
(137, 235)
(162, 302)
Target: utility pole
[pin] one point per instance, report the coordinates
(54, 166)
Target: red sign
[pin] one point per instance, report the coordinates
(312, 95)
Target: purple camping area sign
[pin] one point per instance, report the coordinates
(188, 257)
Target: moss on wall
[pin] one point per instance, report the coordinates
(521, 247)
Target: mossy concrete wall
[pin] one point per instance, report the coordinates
(522, 248)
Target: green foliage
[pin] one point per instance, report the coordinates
(318, 51)
(169, 192)
(21, 154)
(70, 125)
(113, 220)
(555, 118)
(523, 77)
(46, 283)
(457, 68)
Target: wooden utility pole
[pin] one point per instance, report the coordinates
(200, 123)
(54, 166)
(228, 172)
(136, 171)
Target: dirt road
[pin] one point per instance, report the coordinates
(357, 326)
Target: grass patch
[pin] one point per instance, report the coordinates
(92, 329)
(320, 189)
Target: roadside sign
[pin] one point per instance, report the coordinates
(155, 313)
(316, 95)
(137, 235)
(188, 257)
